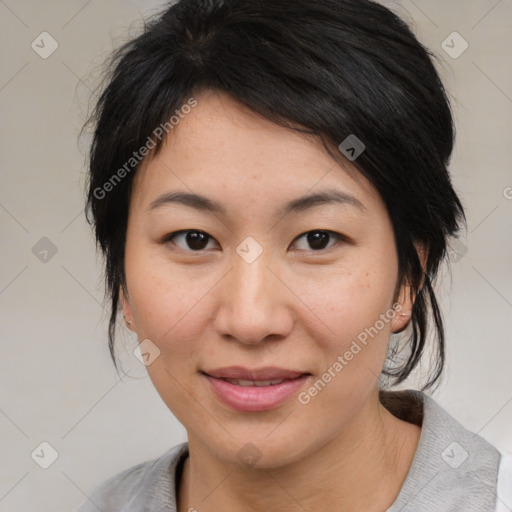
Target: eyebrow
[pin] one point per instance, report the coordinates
(301, 204)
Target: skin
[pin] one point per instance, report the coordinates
(293, 307)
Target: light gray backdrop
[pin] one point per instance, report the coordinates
(57, 383)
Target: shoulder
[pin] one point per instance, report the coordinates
(455, 469)
(504, 490)
(139, 485)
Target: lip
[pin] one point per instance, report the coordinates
(255, 398)
(265, 373)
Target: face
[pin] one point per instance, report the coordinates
(255, 285)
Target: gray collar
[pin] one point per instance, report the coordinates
(453, 469)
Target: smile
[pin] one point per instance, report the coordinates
(255, 395)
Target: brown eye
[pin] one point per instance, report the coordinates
(197, 241)
(191, 240)
(318, 240)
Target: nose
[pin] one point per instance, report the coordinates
(255, 305)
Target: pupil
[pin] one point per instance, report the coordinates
(196, 240)
(318, 239)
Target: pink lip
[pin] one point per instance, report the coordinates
(255, 398)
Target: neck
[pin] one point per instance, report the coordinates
(362, 468)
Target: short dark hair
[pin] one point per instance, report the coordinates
(325, 67)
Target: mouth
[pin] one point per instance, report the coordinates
(267, 373)
(259, 383)
(255, 390)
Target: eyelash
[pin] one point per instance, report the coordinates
(168, 238)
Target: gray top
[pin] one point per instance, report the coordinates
(453, 470)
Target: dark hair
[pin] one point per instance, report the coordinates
(326, 67)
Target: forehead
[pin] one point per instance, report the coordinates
(223, 149)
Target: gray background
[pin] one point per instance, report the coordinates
(57, 383)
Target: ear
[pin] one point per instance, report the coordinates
(406, 296)
(127, 310)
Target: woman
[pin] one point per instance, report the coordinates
(269, 187)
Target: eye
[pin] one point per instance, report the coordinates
(193, 240)
(196, 241)
(319, 239)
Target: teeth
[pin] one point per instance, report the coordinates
(268, 382)
(244, 382)
(248, 383)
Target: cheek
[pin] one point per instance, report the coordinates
(173, 306)
(170, 312)
(355, 312)
(349, 301)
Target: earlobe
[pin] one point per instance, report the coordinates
(127, 312)
(403, 312)
(407, 298)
